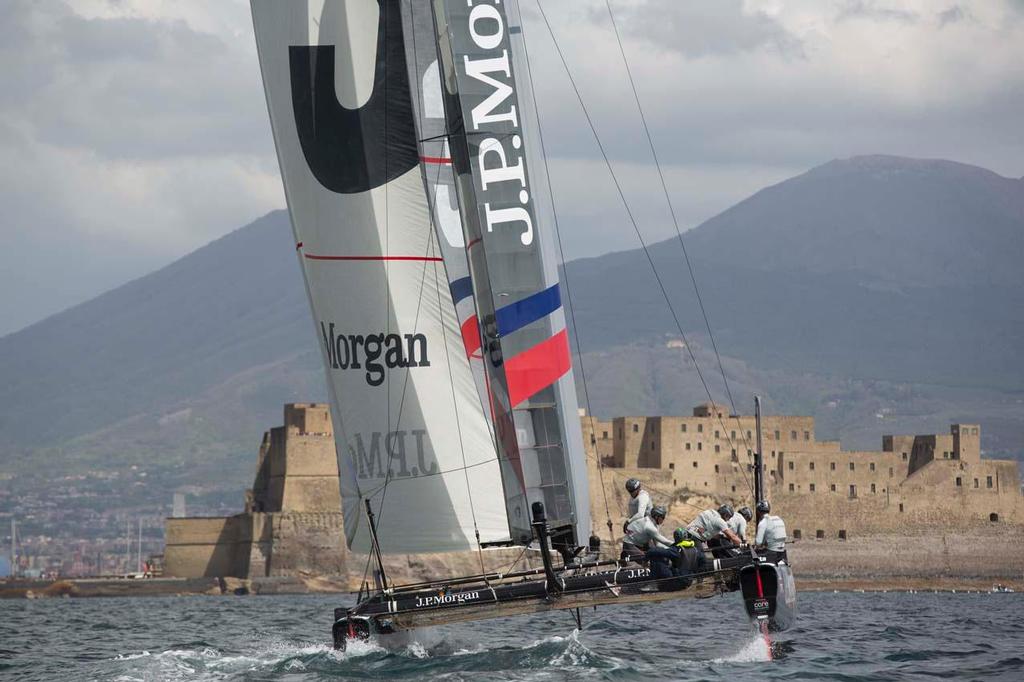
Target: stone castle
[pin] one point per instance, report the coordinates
(292, 523)
(822, 490)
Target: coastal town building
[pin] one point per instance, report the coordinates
(292, 521)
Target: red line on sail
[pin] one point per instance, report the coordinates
(537, 368)
(436, 159)
(431, 259)
(298, 246)
(474, 243)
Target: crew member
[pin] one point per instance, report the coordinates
(639, 503)
(710, 525)
(738, 522)
(682, 560)
(642, 534)
(771, 534)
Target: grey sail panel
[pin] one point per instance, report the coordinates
(509, 227)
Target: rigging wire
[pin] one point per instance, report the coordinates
(625, 203)
(675, 222)
(568, 290)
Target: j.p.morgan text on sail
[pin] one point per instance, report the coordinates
(374, 352)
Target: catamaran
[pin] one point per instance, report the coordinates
(408, 140)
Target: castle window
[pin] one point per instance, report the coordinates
(700, 428)
(988, 481)
(853, 467)
(832, 487)
(791, 487)
(777, 436)
(652, 445)
(748, 433)
(901, 507)
(687, 446)
(593, 439)
(812, 466)
(890, 472)
(674, 482)
(792, 435)
(716, 468)
(750, 452)
(683, 428)
(700, 446)
(734, 488)
(872, 466)
(842, 535)
(959, 482)
(604, 435)
(717, 449)
(694, 465)
(974, 431)
(636, 428)
(904, 457)
(791, 466)
(975, 483)
(872, 487)
(716, 433)
(993, 517)
(819, 534)
(811, 487)
(797, 534)
(733, 434)
(807, 435)
(671, 465)
(853, 491)
(773, 453)
(832, 466)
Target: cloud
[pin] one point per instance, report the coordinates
(133, 131)
(130, 134)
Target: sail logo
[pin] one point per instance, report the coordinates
(405, 454)
(374, 353)
(499, 156)
(350, 151)
(446, 599)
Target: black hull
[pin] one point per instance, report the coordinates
(601, 585)
(769, 594)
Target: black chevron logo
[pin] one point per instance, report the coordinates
(354, 150)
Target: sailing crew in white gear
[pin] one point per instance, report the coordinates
(639, 503)
(642, 533)
(771, 533)
(711, 525)
(738, 522)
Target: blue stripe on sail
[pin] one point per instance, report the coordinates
(461, 288)
(530, 309)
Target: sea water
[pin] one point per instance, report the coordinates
(844, 636)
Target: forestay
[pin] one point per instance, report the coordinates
(406, 411)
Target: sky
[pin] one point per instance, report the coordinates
(135, 131)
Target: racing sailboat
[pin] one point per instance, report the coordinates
(406, 135)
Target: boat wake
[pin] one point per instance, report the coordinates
(428, 656)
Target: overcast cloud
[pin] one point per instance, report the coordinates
(133, 132)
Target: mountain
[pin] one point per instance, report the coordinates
(860, 283)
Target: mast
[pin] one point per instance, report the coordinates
(138, 564)
(758, 459)
(14, 547)
(508, 222)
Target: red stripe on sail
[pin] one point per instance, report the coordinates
(471, 335)
(435, 159)
(537, 368)
(473, 243)
(430, 259)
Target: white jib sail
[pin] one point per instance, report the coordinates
(409, 427)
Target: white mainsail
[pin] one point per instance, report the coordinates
(410, 430)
